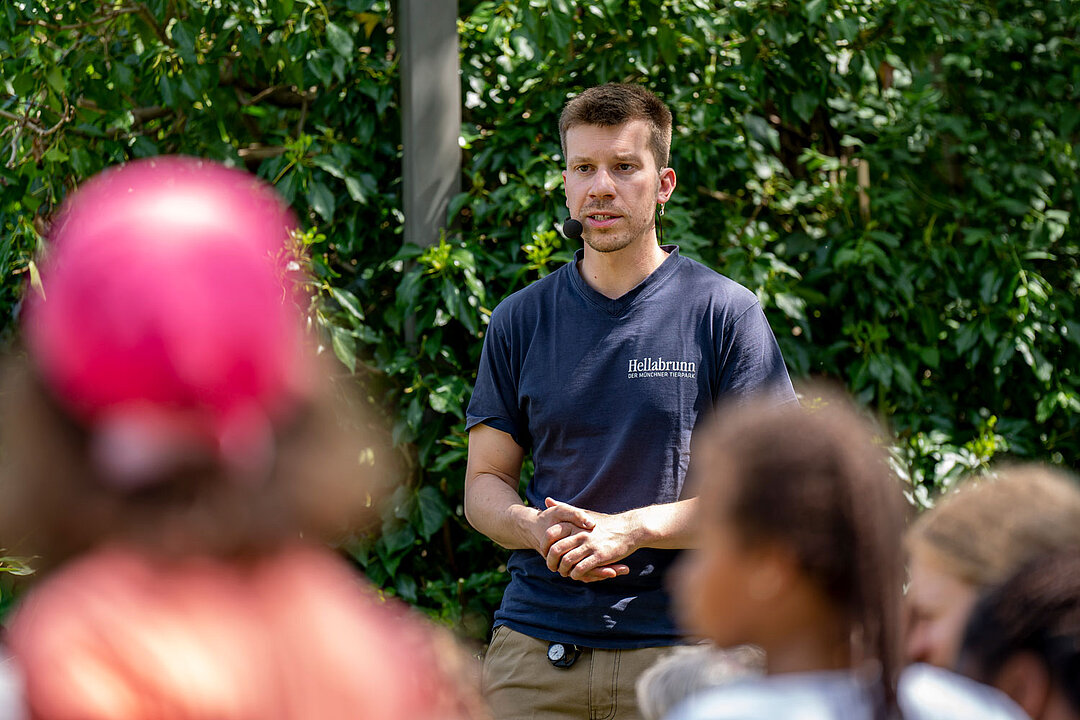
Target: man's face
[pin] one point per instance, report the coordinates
(613, 184)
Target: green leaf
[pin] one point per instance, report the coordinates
(168, 92)
(54, 76)
(340, 40)
(330, 164)
(143, 147)
(320, 64)
(446, 399)
(759, 128)
(391, 546)
(282, 9)
(321, 200)
(55, 154)
(344, 345)
(348, 301)
(35, 278)
(82, 162)
(431, 510)
(123, 76)
(356, 190)
(804, 104)
(414, 415)
(792, 305)
(184, 40)
(406, 588)
(23, 84)
(881, 369)
(815, 9)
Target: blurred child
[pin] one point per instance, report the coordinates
(690, 669)
(1023, 637)
(175, 457)
(801, 521)
(974, 539)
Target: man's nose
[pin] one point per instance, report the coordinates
(602, 185)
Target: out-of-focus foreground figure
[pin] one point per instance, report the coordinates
(688, 670)
(801, 555)
(974, 539)
(1023, 637)
(175, 455)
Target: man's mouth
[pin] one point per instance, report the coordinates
(601, 219)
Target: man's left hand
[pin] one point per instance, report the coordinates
(582, 553)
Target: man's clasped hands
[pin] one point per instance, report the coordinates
(582, 544)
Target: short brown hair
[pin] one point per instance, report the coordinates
(617, 103)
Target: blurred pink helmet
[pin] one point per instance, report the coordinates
(166, 320)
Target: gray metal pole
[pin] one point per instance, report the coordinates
(431, 118)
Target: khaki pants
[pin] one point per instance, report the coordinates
(519, 683)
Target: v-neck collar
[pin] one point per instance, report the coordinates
(616, 307)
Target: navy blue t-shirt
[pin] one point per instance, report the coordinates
(606, 394)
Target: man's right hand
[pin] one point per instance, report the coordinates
(559, 521)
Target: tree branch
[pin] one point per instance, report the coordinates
(25, 121)
(260, 152)
(89, 23)
(280, 95)
(715, 194)
(144, 13)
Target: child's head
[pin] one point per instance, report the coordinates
(973, 539)
(1023, 637)
(801, 521)
(168, 394)
(689, 669)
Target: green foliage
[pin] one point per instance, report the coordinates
(896, 179)
(11, 569)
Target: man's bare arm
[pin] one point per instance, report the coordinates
(492, 503)
(493, 506)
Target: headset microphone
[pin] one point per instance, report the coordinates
(572, 229)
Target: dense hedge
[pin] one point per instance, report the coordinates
(895, 178)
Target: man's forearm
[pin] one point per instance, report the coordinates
(496, 510)
(668, 526)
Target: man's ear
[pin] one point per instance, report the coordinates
(1025, 678)
(667, 185)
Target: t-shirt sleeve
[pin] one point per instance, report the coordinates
(495, 396)
(751, 363)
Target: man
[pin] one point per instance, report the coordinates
(602, 369)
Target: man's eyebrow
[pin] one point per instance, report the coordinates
(618, 157)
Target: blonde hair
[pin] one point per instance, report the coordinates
(987, 528)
